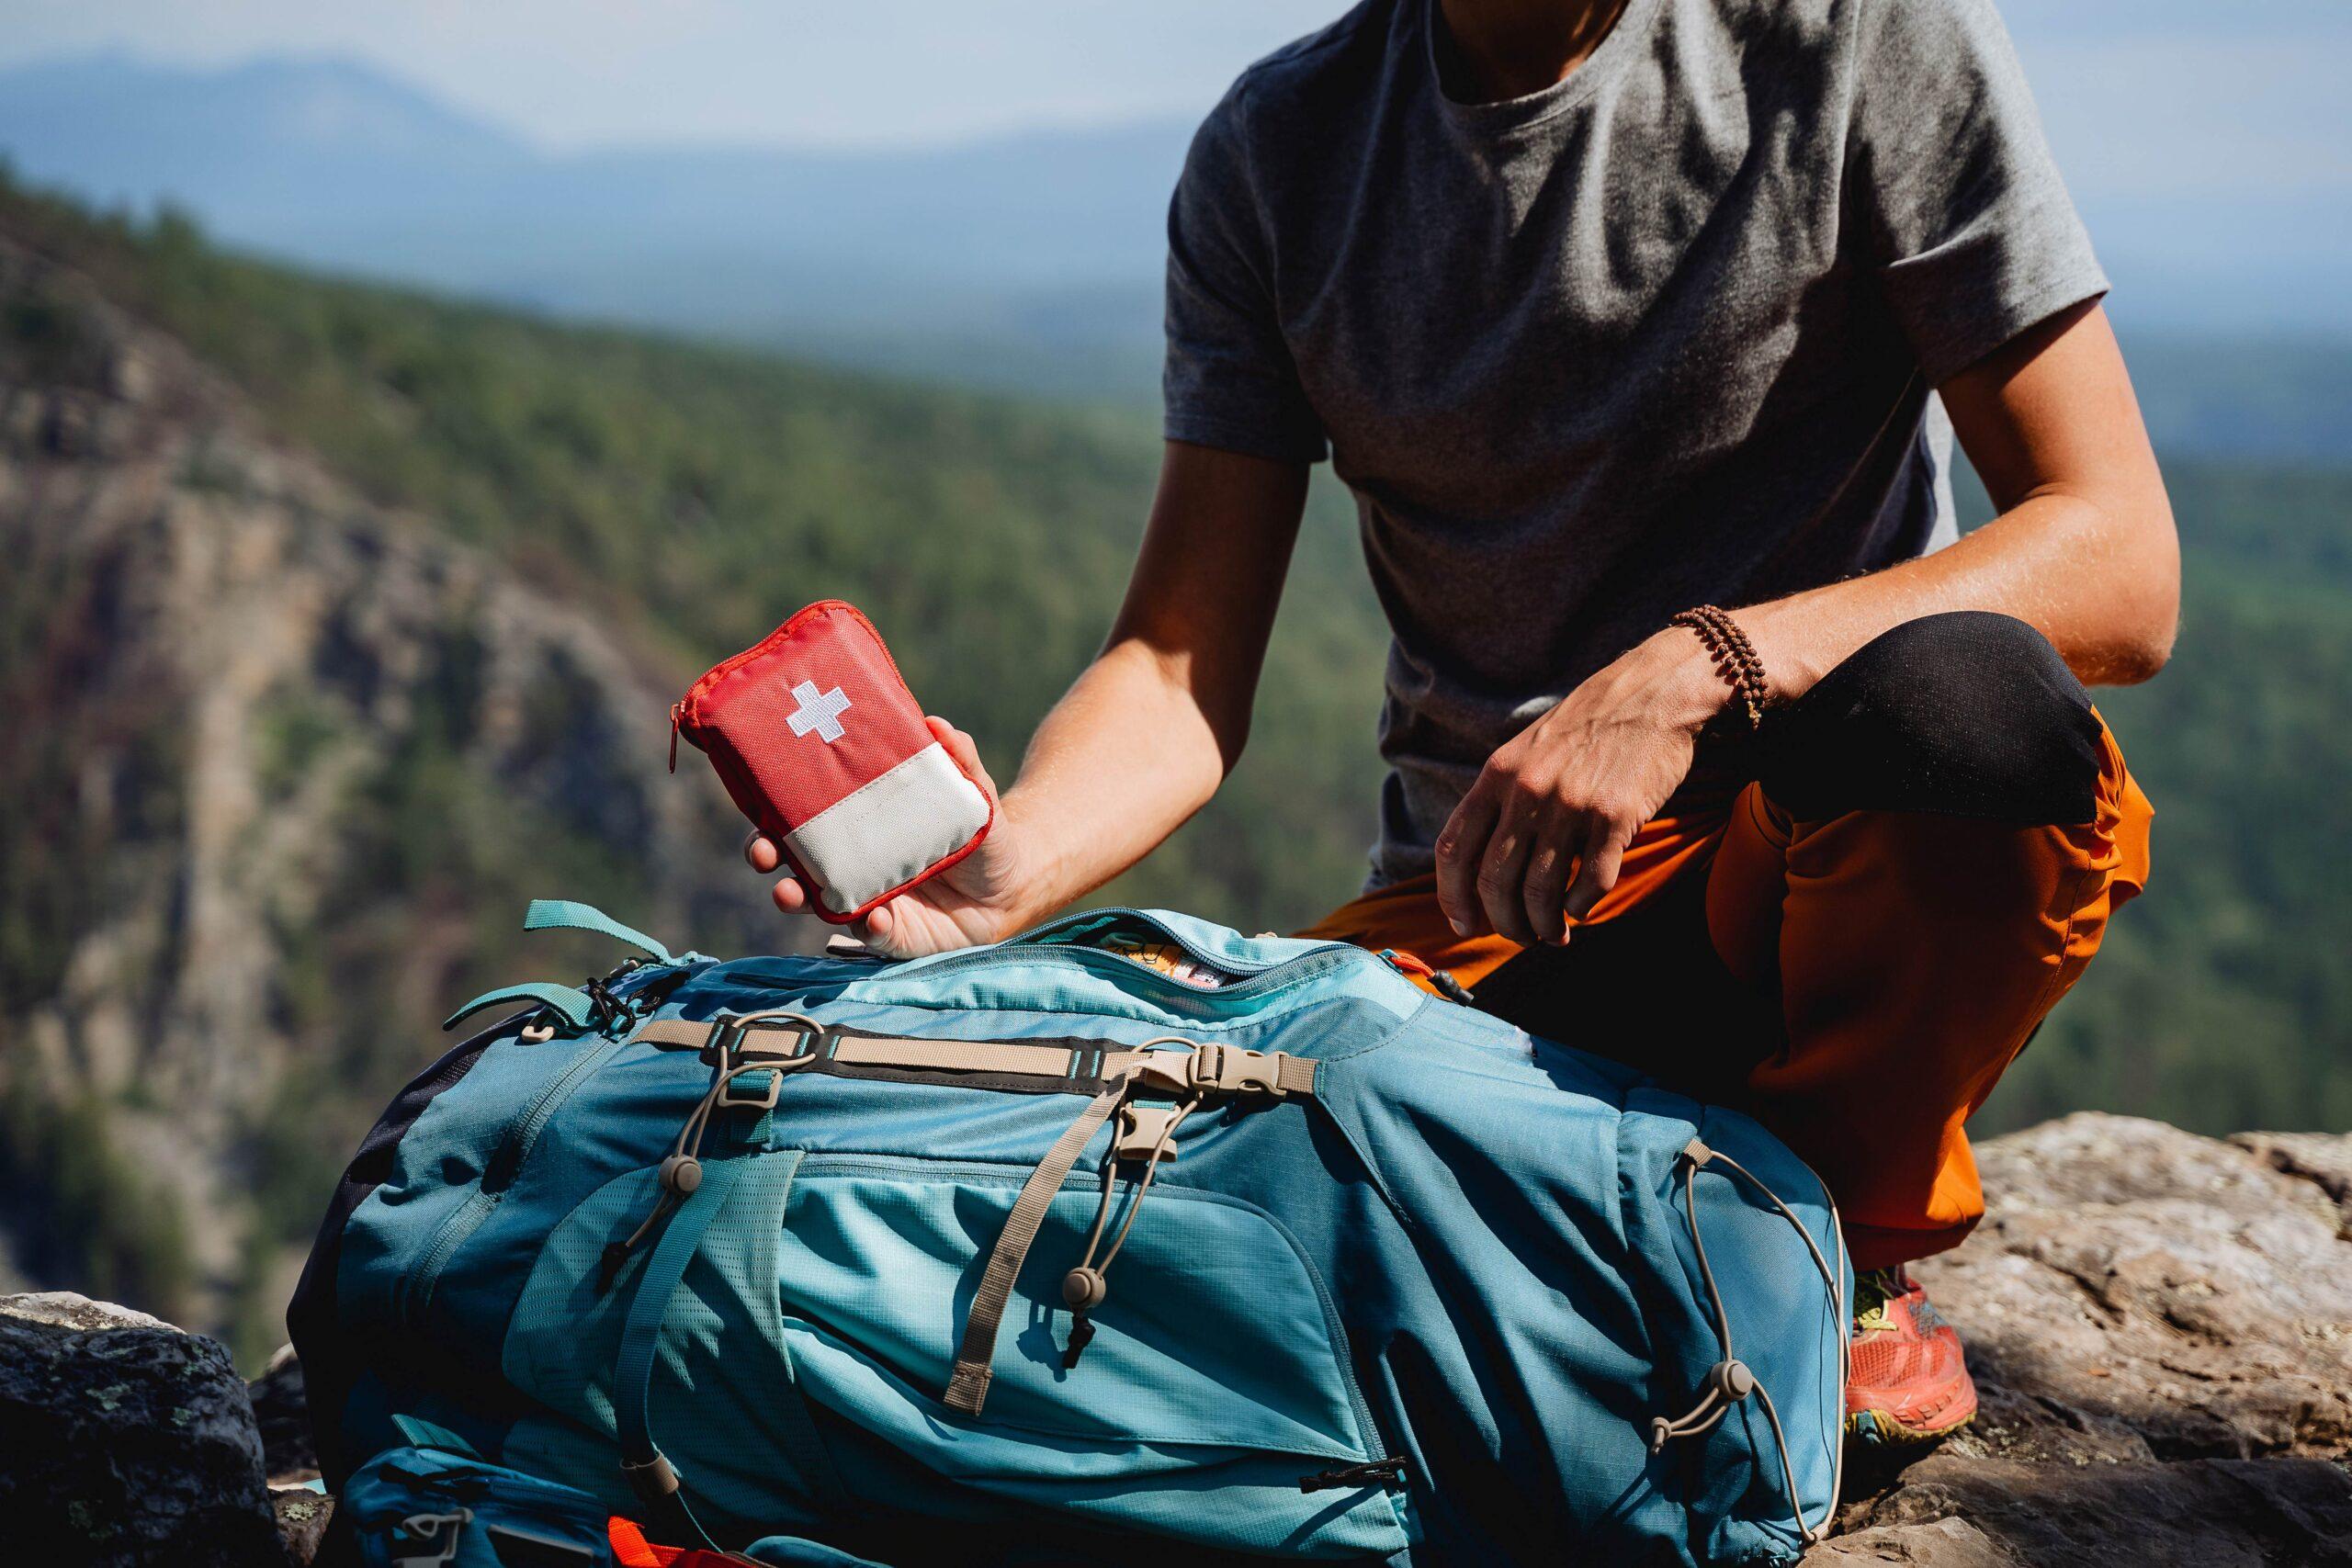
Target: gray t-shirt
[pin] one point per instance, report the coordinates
(1660, 335)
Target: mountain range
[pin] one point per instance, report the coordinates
(1029, 260)
(1044, 247)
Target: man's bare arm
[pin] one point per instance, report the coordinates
(2084, 550)
(1149, 731)
(1146, 733)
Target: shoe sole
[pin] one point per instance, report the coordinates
(1876, 1427)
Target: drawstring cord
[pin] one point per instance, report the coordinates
(681, 1169)
(1084, 1287)
(1729, 1380)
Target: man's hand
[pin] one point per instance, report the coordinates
(976, 900)
(1570, 791)
(1146, 734)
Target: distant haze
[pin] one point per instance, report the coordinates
(2211, 157)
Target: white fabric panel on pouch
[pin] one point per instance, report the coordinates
(891, 830)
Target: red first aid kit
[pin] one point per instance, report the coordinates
(820, 744)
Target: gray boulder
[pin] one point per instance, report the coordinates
(125, 1442)
(2161, 1329)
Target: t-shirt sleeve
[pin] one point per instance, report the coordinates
(1228, 380)
(1971, 231)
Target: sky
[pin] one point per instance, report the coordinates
(2149, 91)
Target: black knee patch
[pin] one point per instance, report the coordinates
(1970, 714)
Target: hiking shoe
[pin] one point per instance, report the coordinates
(1909, 1382)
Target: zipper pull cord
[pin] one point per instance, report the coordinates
(681, 1170)
(1729, 1380)
(1085, 1286)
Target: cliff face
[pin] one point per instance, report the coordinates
(281, 768)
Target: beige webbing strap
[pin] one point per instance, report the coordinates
(1216, 1069)
(1295, 1074)
(969, 1388)
(1009, 1059)
(671, 1032)
(954, 1056)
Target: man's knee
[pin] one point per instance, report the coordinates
(1968, 714)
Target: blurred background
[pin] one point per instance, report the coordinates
(399, 404)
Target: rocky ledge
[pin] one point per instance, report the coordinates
(2161, 1326)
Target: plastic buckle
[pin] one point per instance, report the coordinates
(438, 1536)
(1165, 1072)
(1234, 1069)
(1141, 1130)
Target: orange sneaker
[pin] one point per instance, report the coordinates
(1909, 1381)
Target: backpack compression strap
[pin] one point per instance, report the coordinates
(1209, 1068)
(969, 1388)
(1204, 1070)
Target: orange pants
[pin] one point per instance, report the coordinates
(1857, 982)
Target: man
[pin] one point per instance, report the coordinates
(1608, 310)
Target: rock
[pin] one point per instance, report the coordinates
(2319, 1158)
(2160, 1325)
(125, 1442)
(1946, 1543)
(283, 1412)
(303, 1517)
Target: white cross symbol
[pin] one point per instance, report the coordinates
(820, 711)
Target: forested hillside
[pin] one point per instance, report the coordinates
(651, 505)
(2222, 999)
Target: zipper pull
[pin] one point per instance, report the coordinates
(609, 1264)
(675, 713)
(1388, 1475)
(1441, 981)
(1081, 1334)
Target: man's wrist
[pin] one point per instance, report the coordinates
(1774, 630)
(1696, 691)
(1030, 863)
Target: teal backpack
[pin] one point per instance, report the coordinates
(1130, 1237)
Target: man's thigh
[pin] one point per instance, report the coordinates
(1643, 986)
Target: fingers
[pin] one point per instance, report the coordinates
(960, 747)
(1545, 889)
(1460, 850)
(1527, 864)
(766, 856)
(1503, 873)
(1604, 852)
(762, 851)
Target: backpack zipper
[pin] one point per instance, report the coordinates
(498, 1174)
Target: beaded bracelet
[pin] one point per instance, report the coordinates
(1735, 657)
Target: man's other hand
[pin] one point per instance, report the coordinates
(1567, 794)
(975, 900)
